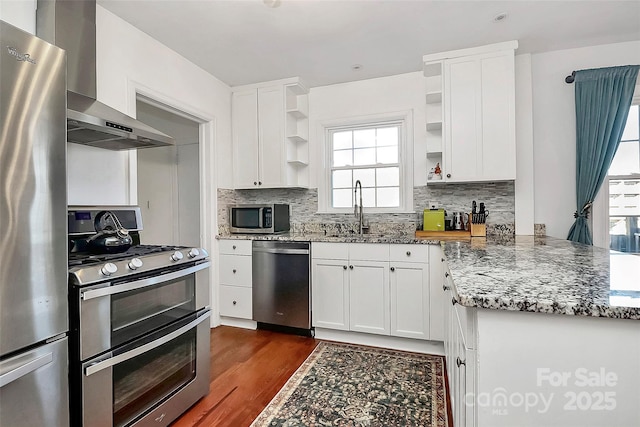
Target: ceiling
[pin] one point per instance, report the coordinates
(245, 41)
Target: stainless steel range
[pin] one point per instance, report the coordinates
(139, 322)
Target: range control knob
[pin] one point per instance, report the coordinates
(193, 252)
(177, 256)
(108, 269)
(135, 264)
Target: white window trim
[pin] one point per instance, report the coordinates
(405, 148)
(600, 208)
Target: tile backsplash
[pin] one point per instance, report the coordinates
(498, 197)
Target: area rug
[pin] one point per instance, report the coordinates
(350, 385)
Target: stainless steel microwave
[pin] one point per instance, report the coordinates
(262, 218)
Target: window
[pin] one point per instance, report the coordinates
(371, 155)
(624, 188)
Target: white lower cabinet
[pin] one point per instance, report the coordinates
(330, 300)
(235, 301)
(372, 288)
(369, 297)
(409, 300)
(235, 271)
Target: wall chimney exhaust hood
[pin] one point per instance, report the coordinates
(71, 25)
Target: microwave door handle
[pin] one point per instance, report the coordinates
(112, 361)
(25, 368)
(261, 218)
(110, 290)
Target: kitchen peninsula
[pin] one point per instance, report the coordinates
(537, 330)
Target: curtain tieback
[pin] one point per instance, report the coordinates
(584, 213)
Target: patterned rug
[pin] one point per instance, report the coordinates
(350, 385)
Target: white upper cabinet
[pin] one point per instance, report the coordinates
(270, 135)
(476, 112)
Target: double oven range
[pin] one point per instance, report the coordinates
(139, 326)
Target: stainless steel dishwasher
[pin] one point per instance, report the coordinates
(282, 284)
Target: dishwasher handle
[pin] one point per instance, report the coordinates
(282, 251)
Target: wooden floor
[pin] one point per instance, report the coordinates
(247, 370)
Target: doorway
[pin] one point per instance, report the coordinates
(169, 180)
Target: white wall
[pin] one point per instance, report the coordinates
(396, 93)
(554, 126)
(19, 13)
(130, 60)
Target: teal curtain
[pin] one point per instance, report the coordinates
(603, 97)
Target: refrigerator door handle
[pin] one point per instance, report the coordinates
(25, 368)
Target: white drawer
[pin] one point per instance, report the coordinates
(409, 253)
(235, 247)
(235, 301)
(369, 251)
(323, 250)
(235, 270)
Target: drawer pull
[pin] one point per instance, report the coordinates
(235, 302)
(393, 269)
(234, 271)
(441, 259)
(460, 362)
(453, 301)
(408, 253)
(445, 288)
(446, 274)
(234, 246)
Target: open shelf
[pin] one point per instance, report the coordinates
(297, 163)
(297, 138)
(434, 97)
(434, 125)
(432, 69)
(297, 114)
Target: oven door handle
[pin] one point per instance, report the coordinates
(110, 290)
(112, 361)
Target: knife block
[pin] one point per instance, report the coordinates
(477, 230)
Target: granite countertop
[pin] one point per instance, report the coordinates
(335, 238)
(525, 273)
(544, 274)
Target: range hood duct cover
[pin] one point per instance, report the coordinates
(71, 25)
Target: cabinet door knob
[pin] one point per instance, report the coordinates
(446, 274)
(441, 259)
(344, 267)
(351, 267)
(234, 247)
(259, 182)
(448, 175)
(445, 288)
(255, 182)
(408, 253)
(453, 301)
(460, 362)
(393, 269)
(234, 271)
(235, 302)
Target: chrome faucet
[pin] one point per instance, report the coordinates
(357, 210)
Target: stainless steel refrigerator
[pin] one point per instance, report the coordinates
(33, 238)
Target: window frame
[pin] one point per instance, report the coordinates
(404, 120)
(600, 208)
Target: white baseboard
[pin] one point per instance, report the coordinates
(396, 343)
(238, 323)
